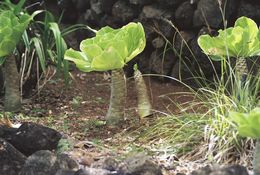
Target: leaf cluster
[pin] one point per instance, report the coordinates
(240, 41)
(110, 49)
(11, 30)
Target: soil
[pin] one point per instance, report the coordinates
(79, 111)
(86, 100)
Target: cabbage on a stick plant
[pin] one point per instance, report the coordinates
(11, 30)
(111, 49)
(248, 126)
(241, 41)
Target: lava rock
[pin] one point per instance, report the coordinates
(230, 170)
(152, 11)
(82, 5)
(249, 10)
(31, 137)
(184, 15)
(124, 12)
(170, 3)
(162, 61)
(109, 164)
(11, 160)
(158, 42)
(141, 2)
(45, 162)
(138, 164)
(208, 12)
(7, 132)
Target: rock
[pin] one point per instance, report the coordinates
(65, 172)
(7, 132)
(123, 11)
(208, 13)
(162, 63)
(158, 42)
(250, 10)
(230, 170)
(40, 162)
(152, 11)
(141, 2)
(30, 137)
(182, 42)
(138, 164)
(184, 15)
(94, 171)
(106, 5)
(45, 162)
(170, 3)
(107, 164)
(11, 160)
(82, 5)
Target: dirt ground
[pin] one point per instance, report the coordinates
(79, 110)
(87, 99)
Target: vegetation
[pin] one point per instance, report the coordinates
(111, 49)
(202, 128)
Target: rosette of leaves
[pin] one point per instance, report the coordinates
(12, 28)
(111, 49)
(248, 126)
(240, 41)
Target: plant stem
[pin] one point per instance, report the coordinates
(144, 105)
(116, 111)
(12, 94)
(256, 161)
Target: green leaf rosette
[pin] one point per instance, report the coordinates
(11, 30)
(240, 41)
(110, 49)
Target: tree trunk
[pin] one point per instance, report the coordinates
(12, 101)
(116, 111)
(256, 161)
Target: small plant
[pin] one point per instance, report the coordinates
(248, 126)
(13, 23)
(111, 49)
(144, 104)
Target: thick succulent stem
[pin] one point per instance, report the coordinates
(256, 161)
(144, 105)
(12, 101)
(116, 111)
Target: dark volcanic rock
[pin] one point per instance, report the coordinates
(7, 132)
(208, 12)
(45, 162)
(11, 160)
(141, 2)
(230, 170)
(184, 15)
(30, 137)
(162, 61)
(138, 164)
(124, 12)
(170, 2)
(249, 10)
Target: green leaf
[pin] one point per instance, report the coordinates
(11, 30)
(247, 123)
(240, 41)
(111, 48)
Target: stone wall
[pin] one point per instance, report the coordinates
(172, 20)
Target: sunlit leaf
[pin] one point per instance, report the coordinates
(240, 41)
(110, 48)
